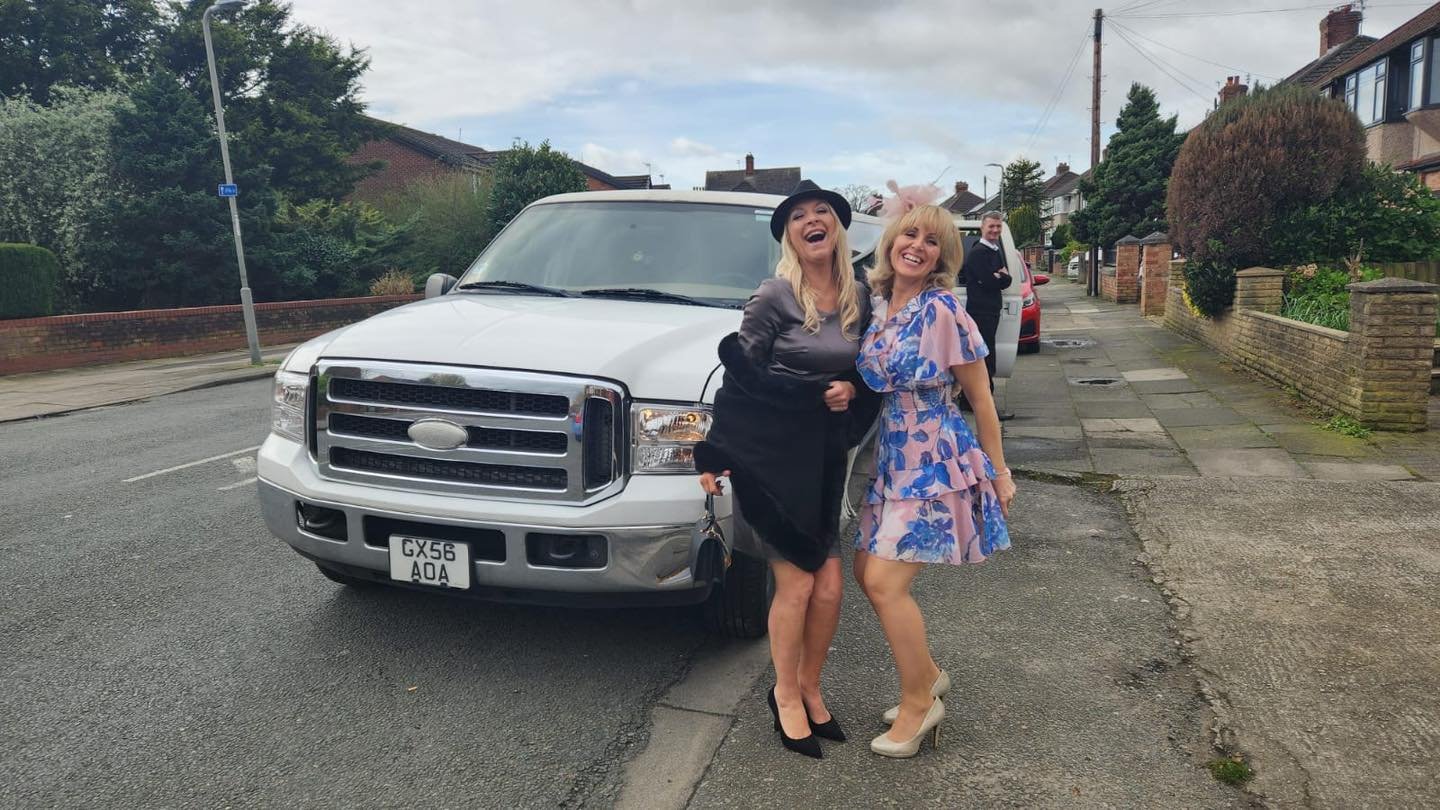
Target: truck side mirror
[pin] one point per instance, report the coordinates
(438, 284)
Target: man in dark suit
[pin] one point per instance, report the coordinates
(986, 276)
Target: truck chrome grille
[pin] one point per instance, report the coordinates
(512, 435)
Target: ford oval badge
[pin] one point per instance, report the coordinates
(438, 434)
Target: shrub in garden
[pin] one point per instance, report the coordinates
(1254, 162)
(524, 174)
(1209, 283)
(28, 276)
(447, 221)
(394, 282)
(1319, 295)
(1387, 217)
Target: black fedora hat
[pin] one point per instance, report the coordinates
(807, 190)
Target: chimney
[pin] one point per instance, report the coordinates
(1339, 26)
(961, 186)
(1062, 168)
(749, 164)
(1233, 89)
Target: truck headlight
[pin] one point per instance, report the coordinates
(287, 411)
(666, 435)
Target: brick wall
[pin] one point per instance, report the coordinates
(1154, 282)
(66, 341)
(1377, 373)
(1125, 286)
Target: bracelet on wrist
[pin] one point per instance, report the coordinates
(1002, 473)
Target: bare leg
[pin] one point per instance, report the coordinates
(821, 619)
(793, 588)
(861, 560)
(887, 584)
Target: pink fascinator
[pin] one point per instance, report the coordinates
(905, 198)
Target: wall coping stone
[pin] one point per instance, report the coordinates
(1393, 285)
(1128, 239)
(1322, 331)
(1260, 272)
(1156, 238)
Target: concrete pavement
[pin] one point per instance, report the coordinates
(1117, 394)
(47, 393)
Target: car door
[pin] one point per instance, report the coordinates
(1007, 334)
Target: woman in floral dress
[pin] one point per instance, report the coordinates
(939, 496)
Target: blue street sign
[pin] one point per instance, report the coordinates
(229, 190)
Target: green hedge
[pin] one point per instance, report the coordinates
(28, 275)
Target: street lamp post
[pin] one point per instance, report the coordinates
(1002, 184)
(247, 304)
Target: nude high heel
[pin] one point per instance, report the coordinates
(939, 689)
(886, 747)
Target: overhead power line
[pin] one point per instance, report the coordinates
(1152, 41)
(1183, 14)
(1170, 71)
(1059, 89)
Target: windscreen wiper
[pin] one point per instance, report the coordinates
(645, 294)
(515, 286)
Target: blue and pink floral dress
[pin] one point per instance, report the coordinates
(933, 499)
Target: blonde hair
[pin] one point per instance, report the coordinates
(789, 269)
(932, 218)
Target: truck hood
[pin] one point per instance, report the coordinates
(656, 350)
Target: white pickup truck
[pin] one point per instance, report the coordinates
(525, 433)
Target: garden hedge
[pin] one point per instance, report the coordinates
(28, 277)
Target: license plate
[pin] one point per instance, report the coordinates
(429, 562)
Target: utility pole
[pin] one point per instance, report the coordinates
(1093, 286)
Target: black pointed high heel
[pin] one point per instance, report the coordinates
(830, 729)
(809, 746)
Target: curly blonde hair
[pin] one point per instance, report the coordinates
(932, 218)
(788, 268)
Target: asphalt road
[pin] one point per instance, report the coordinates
(160, 648)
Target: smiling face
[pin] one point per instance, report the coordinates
(915, 253)
(811, 229)
(990, 230)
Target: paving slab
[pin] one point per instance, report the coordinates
(1263, 462)
(1170, 402)
(1195, 417)
(1140, 463)
(1112, 409)
(1166, 387)
(1356, 471)
(1155, 374)
(1311, 439)
(1058, 432)
(1139, 425)
(1221, 437)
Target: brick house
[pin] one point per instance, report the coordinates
(409, 154)
(1061, 198)
(1392, 83)
(765, 181)
(962, 200)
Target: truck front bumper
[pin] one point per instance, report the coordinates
(645, 562)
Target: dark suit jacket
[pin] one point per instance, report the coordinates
(983, 284)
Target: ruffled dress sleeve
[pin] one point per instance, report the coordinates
(950, 337)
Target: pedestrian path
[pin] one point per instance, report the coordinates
(48, 393)
(1114, 393)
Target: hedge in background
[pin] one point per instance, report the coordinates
(1255, 161)
(28, 275)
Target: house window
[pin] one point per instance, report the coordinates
(1434, 71)
(1368, 97)
(1417, 75)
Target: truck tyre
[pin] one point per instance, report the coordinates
(739, 607)
(344, 579)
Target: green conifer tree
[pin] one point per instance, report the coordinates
(1126, 192)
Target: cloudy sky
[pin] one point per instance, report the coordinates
(853, 91)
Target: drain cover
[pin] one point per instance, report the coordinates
(1096, 381)
(1069, 343)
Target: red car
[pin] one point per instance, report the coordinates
(1030, 310)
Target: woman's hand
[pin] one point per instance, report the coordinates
(838, 396)
(1005, 491)
(710, 482)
